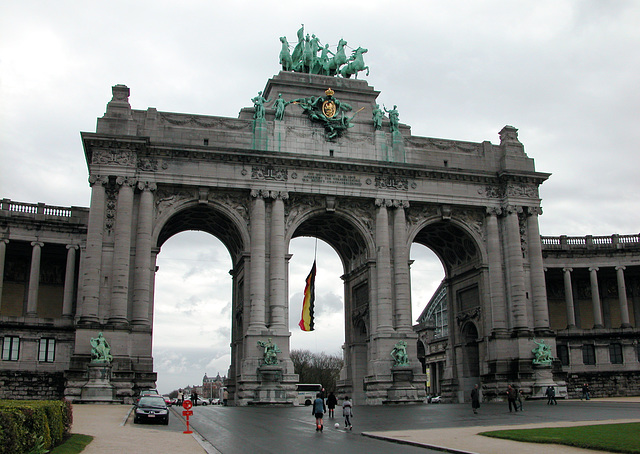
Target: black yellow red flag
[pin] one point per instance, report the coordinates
(306, 321)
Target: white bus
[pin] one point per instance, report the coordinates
(307, 393)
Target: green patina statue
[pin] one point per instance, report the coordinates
(279, 105)
(329, 111)
(378, 116)
(393, 118)
(542, 354)
(258, 104)
(100, 350)
(305, 58)
(271, 350)
(399, 354)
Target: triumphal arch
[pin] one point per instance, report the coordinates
(314, 155)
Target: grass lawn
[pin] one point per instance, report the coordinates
(603, 437)
(74, 444)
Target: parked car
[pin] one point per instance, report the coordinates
(215, 401)
(202, 401)
(168, 400)
(147, 392)
(151, 408)
(435, 400)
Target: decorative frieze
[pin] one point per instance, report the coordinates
(269, 173)
(392, 182)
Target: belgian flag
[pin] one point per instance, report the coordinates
(306, 321)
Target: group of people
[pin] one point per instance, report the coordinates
(515, 397)
(319, 408)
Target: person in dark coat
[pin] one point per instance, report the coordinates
(475, 399)
(318, 409)
(332, 401)
(551, 395)
(511, 397)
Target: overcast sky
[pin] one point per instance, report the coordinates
(565, 73)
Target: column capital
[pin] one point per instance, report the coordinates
(100, 180)
(72, 246)
(594, 268)
(4, 241)
(399, 203)
(567, 270)
(510, 209)
(621, 267)
(383, 202)
(493, 211)
(147, 185)
(125, 181)
(534, 211)
(275, 195)
(37, 243)
(260, 193)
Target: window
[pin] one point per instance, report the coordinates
(563, 354)
(11, 348)
(47, 350)
(615, 353)
(588, 354)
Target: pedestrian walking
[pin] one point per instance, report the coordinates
(519, 399)
(318, 410)
(511, 397)
(551, 395)
(180, 397)
(225, 397)
(475, 399)
(194, 398)
(331, 404)
(585, 392)
(347, 412)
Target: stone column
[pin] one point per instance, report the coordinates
(142, 264)
(401, 269)
(595, 298)
(568, 297)
(257, 266)
(496, 276)
(92, 263)
(516, 269)
(277, 264)
(383, 268)
(122, 252)
(34, 279)
(69, 281)
(536, 271)
(3, 251)
(622, 298)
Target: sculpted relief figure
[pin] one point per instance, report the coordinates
(399, 354)
(280, 105)
(100, 350)
(271, 350)
(542, 353)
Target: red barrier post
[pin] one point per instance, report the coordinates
(186, 413)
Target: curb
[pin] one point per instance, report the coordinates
(416, 443)
(206, 445)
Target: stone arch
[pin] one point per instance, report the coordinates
(213, 217)
(349, 236)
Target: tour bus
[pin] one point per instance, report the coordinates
(307, 393)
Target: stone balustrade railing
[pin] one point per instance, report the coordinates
(614, 241)
(42, 209)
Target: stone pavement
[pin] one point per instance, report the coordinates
(113, 430)
(466, 440)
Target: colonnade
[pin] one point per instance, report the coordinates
(33, 289)
(596, 302)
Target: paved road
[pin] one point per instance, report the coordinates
(280, 430)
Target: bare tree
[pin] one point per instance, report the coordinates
(317, 368)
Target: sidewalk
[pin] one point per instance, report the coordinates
(106, 423)
(465, 440)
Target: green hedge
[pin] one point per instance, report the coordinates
(25, 424)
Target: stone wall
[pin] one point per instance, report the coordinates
(31, 385)
(604, 384)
